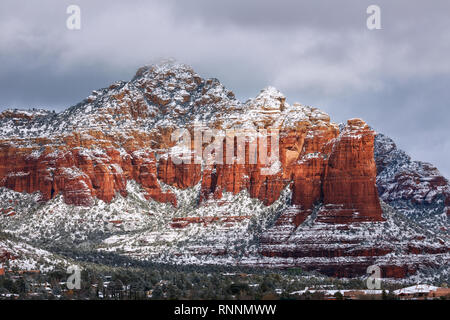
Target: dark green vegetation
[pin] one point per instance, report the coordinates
(172, 282)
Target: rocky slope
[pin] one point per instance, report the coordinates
(102, 174)
(416, 189)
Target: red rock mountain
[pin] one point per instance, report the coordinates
(319, 163)
(122, 133)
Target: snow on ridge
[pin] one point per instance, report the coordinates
(417, 189)
(172, 94)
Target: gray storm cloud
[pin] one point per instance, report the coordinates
(319, 53)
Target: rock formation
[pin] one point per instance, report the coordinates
(316, 161)
(124, 133)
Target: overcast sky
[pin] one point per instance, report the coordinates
(318, 53)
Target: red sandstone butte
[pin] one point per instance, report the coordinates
(320, 165)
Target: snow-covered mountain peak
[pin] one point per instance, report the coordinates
(18, 114)
(166, 70)
(269, 98)
(416, 188)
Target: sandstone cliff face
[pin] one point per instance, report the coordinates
(317, 167)
(349, 183)
(79, 175)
